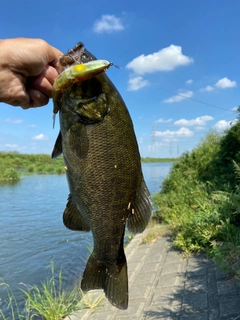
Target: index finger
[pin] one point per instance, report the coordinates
(53, 56)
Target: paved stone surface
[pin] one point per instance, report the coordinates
(164, 285)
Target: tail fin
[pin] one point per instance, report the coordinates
(113, 279)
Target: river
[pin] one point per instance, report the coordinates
(33, 235)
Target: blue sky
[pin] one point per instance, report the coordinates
(180, 60)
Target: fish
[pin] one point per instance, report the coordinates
(103, 167)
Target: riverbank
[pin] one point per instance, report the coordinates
(13, 165)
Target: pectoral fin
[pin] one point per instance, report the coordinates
(73, 219)
(141, 210)
(57, 149)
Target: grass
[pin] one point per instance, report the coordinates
(92, 301)
(155, 231)
(12, 305)
(50, 301)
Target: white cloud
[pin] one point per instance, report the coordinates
(137, 83)
(179, 97)
(199, 121)
(14, 121)
(166, 59)
(225, 83)
(222, 84)
(207, 88)
(108, 23)
(9, 145)
(181, 133)
(234, 109)
(41, 136)
(199, 128)
(189, 81)
(170, 139)
(223, 125)
(156, 146)
(161, 120)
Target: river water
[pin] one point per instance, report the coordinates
(32, 234)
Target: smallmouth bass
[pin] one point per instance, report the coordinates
(103, 168)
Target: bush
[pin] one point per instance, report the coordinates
(9, 174)
(200, 199)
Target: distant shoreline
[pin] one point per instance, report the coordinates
(13, 165)
(148, 160)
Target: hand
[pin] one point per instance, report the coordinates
(27, 71)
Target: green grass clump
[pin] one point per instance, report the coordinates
(155, 231)
(8, 174)
(200, 199)
(50, 301)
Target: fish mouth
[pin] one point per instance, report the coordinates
(91, 110)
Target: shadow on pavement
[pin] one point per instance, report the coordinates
(193, 289)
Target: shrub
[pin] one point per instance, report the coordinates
(200, 199)
(9, 174)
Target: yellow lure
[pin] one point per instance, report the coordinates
(77, 73)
